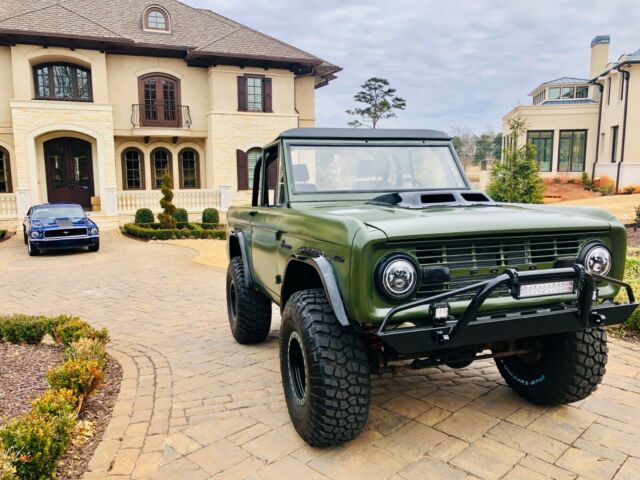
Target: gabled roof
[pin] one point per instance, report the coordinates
(200, 36)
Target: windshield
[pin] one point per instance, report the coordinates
(373, 168)
(57, 211)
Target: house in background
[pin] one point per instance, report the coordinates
(587, 124)
(97, 103)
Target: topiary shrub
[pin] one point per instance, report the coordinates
(167, 217)
(144, 215)
(23, 329)
(76, 375)
(181, 215)
(210, 215)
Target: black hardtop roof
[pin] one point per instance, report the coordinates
(364, 133)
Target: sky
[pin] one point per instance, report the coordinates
(458, 63)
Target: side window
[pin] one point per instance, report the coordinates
(256, 196)
(281, 194)
(271, 169)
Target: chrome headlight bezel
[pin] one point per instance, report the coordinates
(35, 234)
(384, 269)
(94, 231)
(596, 253)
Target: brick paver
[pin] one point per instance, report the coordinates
(194, 404)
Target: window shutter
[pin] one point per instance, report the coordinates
(268, 104)
(272, 174)
(243, 170)
(242, 94)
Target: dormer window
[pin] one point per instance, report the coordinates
(568, 93)
(156, 19)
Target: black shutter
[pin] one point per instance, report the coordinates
(243, 170)
(242, 94)
(268, 103)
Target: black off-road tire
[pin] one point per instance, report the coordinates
(95, 247)
(249, 310)
(568, 368)
(325, 372)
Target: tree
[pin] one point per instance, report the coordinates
(484, 148)
(167, 218)
(516, 179)
(497, 146)
(464, 141)
(380, 102)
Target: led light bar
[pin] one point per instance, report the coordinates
(544, 289)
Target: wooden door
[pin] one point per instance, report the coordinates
(160, 98)
(69, 170)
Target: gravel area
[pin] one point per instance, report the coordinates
(23, 375)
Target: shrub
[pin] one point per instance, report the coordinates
(167, 217)
(572, 181)
(210, 215)
(629, 189)
(587, 184)
(556, 180)
(637, 209)
(87, 349)
(144, 215)
(7, 465)
(23, 329)
(3, 233)
(181, 215)
(192, 231)
(37, 442)
(55, 403)
(76, 375)
(632, 275)
(72, 329)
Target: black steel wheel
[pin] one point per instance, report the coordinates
(325, 372)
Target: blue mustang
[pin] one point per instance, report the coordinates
(59, 226)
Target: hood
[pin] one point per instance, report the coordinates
(62, 222)
(403, 223)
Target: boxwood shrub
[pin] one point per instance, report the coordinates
(187, 230)
(144, 215)
(181, 215)
(23, 329)
(210, 215)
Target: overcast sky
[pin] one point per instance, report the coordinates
(457, 63)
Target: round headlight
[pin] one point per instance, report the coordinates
(94, 231)
(35, 234)
(597, 259)
(397, 277)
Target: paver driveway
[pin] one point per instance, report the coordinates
(194, 404)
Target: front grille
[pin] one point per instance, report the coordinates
(472, 260)
(65, 232)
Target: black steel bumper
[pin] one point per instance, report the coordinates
(473, 328)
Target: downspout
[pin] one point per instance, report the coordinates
(626, 74)
(593, 168)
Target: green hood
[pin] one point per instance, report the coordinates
(404, 223)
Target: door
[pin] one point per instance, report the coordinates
(159, 102)
(69, 170)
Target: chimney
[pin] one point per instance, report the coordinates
(599, 55)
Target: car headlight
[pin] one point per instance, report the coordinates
(35, 234)
(94, 231)
(596, 258)
(397, 276)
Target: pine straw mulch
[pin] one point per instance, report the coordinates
(23, 372)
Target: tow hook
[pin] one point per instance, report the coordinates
(441, 337)
(598, 318)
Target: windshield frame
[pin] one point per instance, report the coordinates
(362, 195)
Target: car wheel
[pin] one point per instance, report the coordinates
(33, 251)
(249, 310)
(325, 372)
(562, 368)
(95, 247)
(24, 235)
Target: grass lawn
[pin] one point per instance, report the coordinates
(622, 206)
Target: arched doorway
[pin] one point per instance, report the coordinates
(69, 170)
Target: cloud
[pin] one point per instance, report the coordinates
(459, 62)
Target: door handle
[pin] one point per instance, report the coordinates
(285, 245)
(253, 213)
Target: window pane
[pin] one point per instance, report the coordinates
(254, 94)
(156, 20)
(543, 142)
(63, 81)
(253, 156)
(169, 97)
(582, 92)
(567, 92)
(83, 84)
(133, 170)
(564, 155)
(579, 146)
(161, 166)
(42, 81)
(189, 169)
(4, 174)
(554, 93)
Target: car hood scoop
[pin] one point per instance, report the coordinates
(441, 198)
(64, 222)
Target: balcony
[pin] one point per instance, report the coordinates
(160, 115)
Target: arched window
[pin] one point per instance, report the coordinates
(133, 169)
(159, 96)
(189, 168)
(156, 18)
(62, 81)
(5, 172)
(160, 165)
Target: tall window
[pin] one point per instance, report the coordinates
(133, 169)
(62, 81)
(155, 18)
(5, 172)
(614, 144)
(573, 145)
(159, 96)
(189, 169)
(543, 141)
(254, 94)
(160, 165)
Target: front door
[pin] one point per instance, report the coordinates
(69, 169)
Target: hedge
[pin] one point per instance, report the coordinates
(144, 215)
(3, 233)
(210, 215)
(189, 230)
(181, 215)
(31, 444)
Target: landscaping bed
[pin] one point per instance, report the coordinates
(175, 226)
(5, 235)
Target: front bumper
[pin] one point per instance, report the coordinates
(472, 328)
(65, 243)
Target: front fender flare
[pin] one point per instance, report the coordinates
(248, 277)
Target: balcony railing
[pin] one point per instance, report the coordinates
(160, 114)
(194, 201)
(8, 208)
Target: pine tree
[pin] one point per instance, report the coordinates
(516, 179)
(167, 218)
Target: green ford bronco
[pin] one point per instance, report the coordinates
(381, 257)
